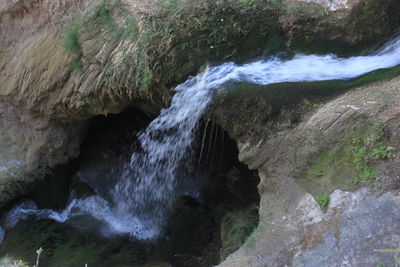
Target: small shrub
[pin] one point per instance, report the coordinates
(323, 201)
(102, 13)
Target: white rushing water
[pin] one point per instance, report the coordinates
(143, 197)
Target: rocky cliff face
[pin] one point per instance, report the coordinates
(63, 62)
(324, 199)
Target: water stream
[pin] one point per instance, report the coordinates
(142, 199)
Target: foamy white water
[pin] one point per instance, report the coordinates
(143, 197)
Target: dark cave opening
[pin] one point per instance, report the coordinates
(215, 210)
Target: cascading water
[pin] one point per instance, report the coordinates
(142, 199)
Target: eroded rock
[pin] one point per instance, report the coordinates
(299, 159)
(49, 93)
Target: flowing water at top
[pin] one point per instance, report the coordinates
(143, 197)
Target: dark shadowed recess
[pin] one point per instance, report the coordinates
(201, 231)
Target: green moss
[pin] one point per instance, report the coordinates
(348, 164)
(332, 169)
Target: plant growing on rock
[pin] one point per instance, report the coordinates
(71, 41)
(72, 46)
(365, 152)
(323, 200)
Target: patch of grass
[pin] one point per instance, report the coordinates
(99, 19)
(130, 29)
(76, 64)
(101, 13)
(71, 40)
(323, 200)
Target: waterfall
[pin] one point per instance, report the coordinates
(142, 199)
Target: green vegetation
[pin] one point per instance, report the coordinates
(348, 164)
(72, 46)
(162, 41)
(76, 64)
(98, 18)
(330, 170)
(71, 41)
(364, 152)
(323, 201)
(83, 98)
